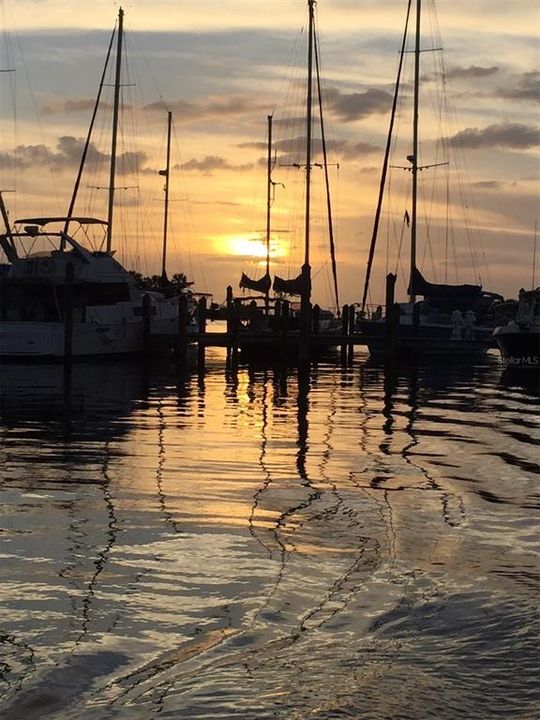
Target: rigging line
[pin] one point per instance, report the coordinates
(428, 245)
(458, 156)
(292, 64)
(446, 227)
(385, 163)
(326, 178)
(38, 117)
(398, 259)
(533, 271)
(88, 138)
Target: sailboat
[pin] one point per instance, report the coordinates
(301, 285)
(41, 291)
(448, 319)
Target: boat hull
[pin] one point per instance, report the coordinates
(40, 340)
(426, 340)
(519, 348)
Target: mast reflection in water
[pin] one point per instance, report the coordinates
(331, 542)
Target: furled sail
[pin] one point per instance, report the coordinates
(420, 286)
(297, 286)
(262, 285)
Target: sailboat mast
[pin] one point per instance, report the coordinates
(309, 123)
(166, 209)
(414, 157)
(382, 184)
(268, 203)
(115, 127)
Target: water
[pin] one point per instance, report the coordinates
(339, 543)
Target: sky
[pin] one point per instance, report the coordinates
(222, 68)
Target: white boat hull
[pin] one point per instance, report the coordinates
(46, 339)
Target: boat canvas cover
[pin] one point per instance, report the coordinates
(262, 285)
(420, 286)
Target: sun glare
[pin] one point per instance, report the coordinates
(249, 246)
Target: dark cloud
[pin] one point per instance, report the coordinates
(360, 149)
(488, 185)
(216, 202)
(211, 163)
(511, 135)
(67, 156)
(526, 87)
(61, 107)
(472, 71)
(288, 148)
(209, 109)
(357, 106)
(463, 73)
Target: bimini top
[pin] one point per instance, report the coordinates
(47, 220)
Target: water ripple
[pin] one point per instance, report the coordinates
(266, 543)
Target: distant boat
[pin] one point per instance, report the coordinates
(449, 319)
(519, 339)
(104, 300)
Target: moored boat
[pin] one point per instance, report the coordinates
(58, 297)
(450, 319)
(39, 289)
(519, 339)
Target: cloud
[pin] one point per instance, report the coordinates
(526, 87)
(209, 109)
(60, 107)
(357, 106)
(472, 71)
(67, 156)
(488, 185)
(511, 135)
(342, 148)
(213, 162)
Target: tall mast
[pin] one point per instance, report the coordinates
(166, 210)
(268, 203)
(309, 123)
(382, 184)
(414, 157)
(115, 127)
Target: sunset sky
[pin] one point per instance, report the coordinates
(222, 67)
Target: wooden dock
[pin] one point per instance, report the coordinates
(251, 332)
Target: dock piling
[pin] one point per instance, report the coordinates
(351, 324)
(181, 340)
(345, 333)
(201, 347)
(392, 316)
(68, 314)
(316, 319)
(146, 317)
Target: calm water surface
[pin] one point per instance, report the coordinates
(335, 543)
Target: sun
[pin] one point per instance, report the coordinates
(250, 246)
